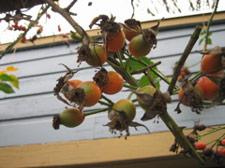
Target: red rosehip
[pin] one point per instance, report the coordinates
(200, 146)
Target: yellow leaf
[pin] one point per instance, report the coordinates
(2, 72)
(11, 68)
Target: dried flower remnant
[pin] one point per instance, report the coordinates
(189, 97)
(121, 117)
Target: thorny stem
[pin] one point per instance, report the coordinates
(209, 24)
(177, 132)
(73, 23)
(21, 36)
(179, 135)
(179, 65)
(95, 111)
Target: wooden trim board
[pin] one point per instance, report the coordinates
(136, 151)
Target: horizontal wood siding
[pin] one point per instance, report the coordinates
(26, 116)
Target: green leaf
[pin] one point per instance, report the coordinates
(203, 32)
(10, 78)
(146, 60)
(209, 41)
(144, 81)
(6, 88)
(200, 41)
(133, 65)
(6, 77)
(15, 81)
(210, 33)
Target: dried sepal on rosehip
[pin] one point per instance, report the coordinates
(152, 100)
(87, 94)
(101, 78)
(94, 55)
(70, 117)
(132, 28)
(121, 117)
(189, 97)
(113, 36)
(110, 82)
(62, 86)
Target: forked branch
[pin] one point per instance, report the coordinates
(73, 23)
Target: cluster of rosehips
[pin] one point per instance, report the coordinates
(217, 150)
(200, 146)
(88, 93)
(184, 72)
(209, 86)
(17, 27)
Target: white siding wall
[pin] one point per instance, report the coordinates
(26, 116)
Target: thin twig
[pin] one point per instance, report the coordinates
(209, 24)
(179, 65)
(150, 79)
(95, 111)
(70, 5)
(132, 4)
(108, 100)
(145, 68)
(21, 36)
(73, 23)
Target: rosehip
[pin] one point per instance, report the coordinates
(222, 142)
(138, 47)
(206, 88)
(211, 62)
(75, 82)
(126, 106)
(92, 93)
(70, 117)
(200, 146)
(208, 151)
(148, 90)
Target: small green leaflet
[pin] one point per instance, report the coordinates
(15, 81)
(6, 88)
(143, 62)
(5, 77)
